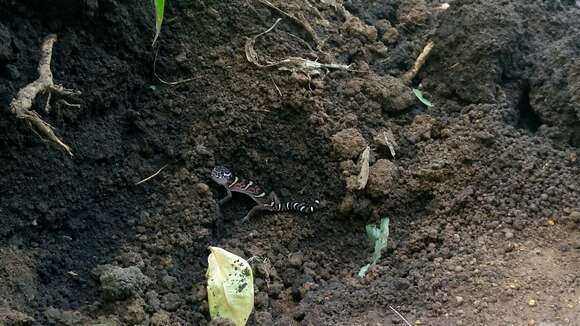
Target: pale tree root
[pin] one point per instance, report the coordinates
(21, 104)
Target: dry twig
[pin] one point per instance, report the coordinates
(300, 21)
(421, 59)
(21, 104)
(290, 63)
(400, 316)
(152, 176)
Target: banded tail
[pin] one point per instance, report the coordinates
(295, 206)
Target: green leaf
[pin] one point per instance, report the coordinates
(379, 237)
(363, 270)
(419, 95)
(159, 12)
(230, 286)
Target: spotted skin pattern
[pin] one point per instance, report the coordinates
(223, 176)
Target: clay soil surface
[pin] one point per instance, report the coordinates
(483, 189)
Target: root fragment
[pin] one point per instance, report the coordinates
(290, 63)
(21, 104)
(421, 59)
(301, 21)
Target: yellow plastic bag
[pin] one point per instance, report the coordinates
(230, 286)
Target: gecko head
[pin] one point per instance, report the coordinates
(221, 175)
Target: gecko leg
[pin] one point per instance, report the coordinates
(220, 216)
(252, 211)
(226, 198)
(274, 198)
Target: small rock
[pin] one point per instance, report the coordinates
(459, 299)
(171, 302)
(261, 300)
(169, 282)
(121, 283)
(508, 234)
(263, 318)
(201, 188)
(532, 303)
(160, 318)
(348, 144)
(390, 36)
(295, 259)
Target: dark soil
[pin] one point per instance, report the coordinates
(483, 192)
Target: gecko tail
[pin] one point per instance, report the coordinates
(297, 206)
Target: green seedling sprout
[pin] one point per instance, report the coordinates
(230, 286)
(159, 12)
(419, 96)
(379, 237)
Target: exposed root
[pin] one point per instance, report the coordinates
(21, 104)
(291, 63)
(152, 176)
(181, 81)
(400, 316)
(421, 59)
(301, 21)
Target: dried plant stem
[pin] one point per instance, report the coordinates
(421, 59)
(21, 104)
(151, 176)
(400, 316)
(300, 21)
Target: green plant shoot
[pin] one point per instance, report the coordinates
(159, 12)
(379, 237)
(230, 286)
(419, 96)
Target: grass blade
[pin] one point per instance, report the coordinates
(159, 12)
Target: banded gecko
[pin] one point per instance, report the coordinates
(223, 176)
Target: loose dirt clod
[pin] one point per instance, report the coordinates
(22, 103)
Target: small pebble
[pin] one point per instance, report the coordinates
(532, 303)
(459, 299)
